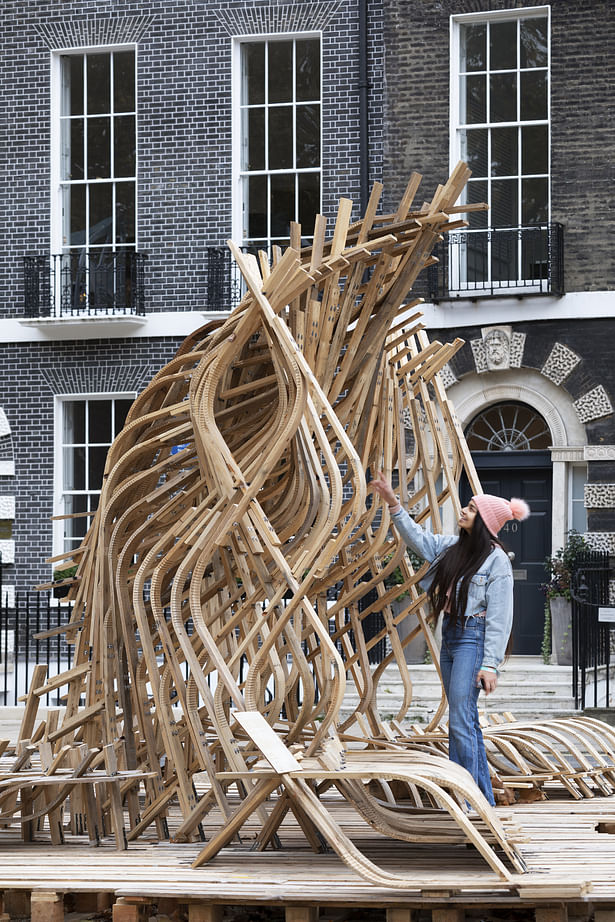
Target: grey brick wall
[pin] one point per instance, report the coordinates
(184, 121)
(583, 116)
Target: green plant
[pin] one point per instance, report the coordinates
(65, 573)
(559, 568)
(396, 578)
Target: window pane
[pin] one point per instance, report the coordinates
(504, 208)
(280, 71)
(101, 223)
(74, 215)
(124, 81)
(125, 212)
(473, 100)
(282, 204)
(121, 412)
(102, 279)
(477, 192)
(96, 458)
(504, 256)
(253, 74)
(504, 157)
(473, 47)
(533, 95)
(474, 150)
(124, 162)
(308, 69)
(256, 206)
(99, 148)
(308, 136)
(535, 196)
(72, 148)
(74, 422)
(254, 146)
(534, 43)
(535, 149)
(99, 421)
(74, 468)
(503, 89)
(309, 201)
(73, 70)
(99, 81)
(503, 45)
(280, 137)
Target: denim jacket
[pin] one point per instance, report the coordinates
(490, 590)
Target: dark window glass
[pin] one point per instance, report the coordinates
(535, 149)
(99, 421)
(309, 201)
(534, 200)
(121, 412)
(473, 47)
(74, 63)
(257, 206)
(125, 212)
(533, 95)
(503, 89)
(99, 83)
(256, 139)
(504, 158)
(74, 422)
(99, 148)
(474, 150)
(101, 212)
(477, 192)
(474, 100)
(103, 280)
(308, 69)
(75, 198)
(308, 136)
(124, 81)
(74, 468)
(125, 153)
(503, 45)
(280, 137)
(253, 89)
(280, 72)
(72, 148)
(282, 204)
(534, 43)
(96, 458)
(504, 205)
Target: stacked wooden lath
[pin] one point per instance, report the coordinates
(233, 501)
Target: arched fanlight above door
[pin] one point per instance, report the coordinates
(508, 427)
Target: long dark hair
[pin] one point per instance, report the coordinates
(456, 568)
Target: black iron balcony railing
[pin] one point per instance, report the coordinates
(499, 261)
(80, 284)
(224, 282)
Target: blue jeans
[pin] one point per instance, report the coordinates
(461, 657)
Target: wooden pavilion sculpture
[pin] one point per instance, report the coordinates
(233, 501)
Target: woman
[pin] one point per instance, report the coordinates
(477, 615)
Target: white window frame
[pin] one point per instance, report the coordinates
(56, 224)
(534, 12)
(572, 501)
(58, 466)
(236, 134)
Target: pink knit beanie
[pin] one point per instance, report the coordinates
(495, 511)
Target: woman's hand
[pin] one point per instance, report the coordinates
(383, 488)
(488, 680)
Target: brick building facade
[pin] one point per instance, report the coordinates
(517, 90)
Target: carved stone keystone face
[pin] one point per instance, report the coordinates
(496, 342)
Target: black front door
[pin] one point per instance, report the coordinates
(524, 475)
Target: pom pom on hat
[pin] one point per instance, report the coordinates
(519, 509)
(495, 511)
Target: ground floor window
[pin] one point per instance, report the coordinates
(85, 428)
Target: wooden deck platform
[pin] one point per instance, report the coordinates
(570, 861)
